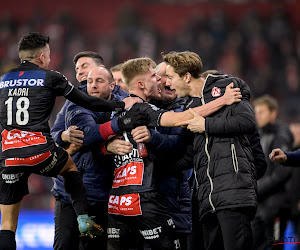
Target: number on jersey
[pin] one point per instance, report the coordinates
(22, 114)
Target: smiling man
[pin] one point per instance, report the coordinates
(100, 83)
(224, 169)
(95, 169)
(84, 61)
(28, 115)
(135, 206)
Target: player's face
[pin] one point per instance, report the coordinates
(118, 79)
(83, 67)
(167, 94)
(152, 82)
(263, 115)
(98, 83)
(175, 82)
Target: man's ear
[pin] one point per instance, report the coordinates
(112, 85)
(187, 77)
(141, 84)
(41, 58)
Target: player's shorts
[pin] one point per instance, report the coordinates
(14, 173)
(154, 226)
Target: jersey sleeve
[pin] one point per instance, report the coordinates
(154, 113)
(59, 83)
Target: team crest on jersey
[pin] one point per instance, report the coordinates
(215, 92)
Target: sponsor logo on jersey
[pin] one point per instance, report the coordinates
(113, 233)
(150, 234)
(215, 92)
(34, 78)
(19, 139)
(129, 174)
(12, 178)
(28, 161)
(127, 204)
(121, 160)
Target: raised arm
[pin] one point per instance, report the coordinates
(98, 104)
(232, 95)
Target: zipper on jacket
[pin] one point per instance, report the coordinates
(196, 180)
(234, 158)
(208, 156)
(208, 175)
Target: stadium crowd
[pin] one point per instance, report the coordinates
(263, 51)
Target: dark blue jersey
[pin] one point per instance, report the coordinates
(27, 97)
(134, 174)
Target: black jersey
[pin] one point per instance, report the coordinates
(27, 97)
(134, 174)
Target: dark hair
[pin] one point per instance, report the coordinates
(32, 41)
(95, 56)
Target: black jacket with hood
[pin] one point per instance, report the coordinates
(224, 162)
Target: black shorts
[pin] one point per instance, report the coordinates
(14, 178)
(155, 226)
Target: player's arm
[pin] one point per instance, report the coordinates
(98, 104)
(59, 127)
(102, 132)
(232, 95)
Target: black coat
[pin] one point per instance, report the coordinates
(224, 162)
(274, 186)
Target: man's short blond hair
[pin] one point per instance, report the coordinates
(134, 67)
(184, 62)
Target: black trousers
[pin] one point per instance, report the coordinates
(66, 228)
(155, 225)
(228, 229)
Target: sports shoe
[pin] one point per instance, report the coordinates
(87, 227)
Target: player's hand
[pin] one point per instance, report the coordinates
(196, 124)
(132, 119)
(277, 155)
(73, 148)
(232, 95)
(141, 134)
(73, 135)
(129, 101)
(119, 147)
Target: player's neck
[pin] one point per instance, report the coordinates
(138, 94)
(196, 88)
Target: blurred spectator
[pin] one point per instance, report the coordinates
(116, 71)
(274, 201)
